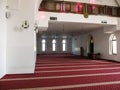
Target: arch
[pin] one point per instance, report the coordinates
(53, 41)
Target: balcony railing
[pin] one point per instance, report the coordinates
(79, 8)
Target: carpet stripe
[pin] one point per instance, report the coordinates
(63, 73)
(77, 70)
(79, 66)
(74, 86)
(63, 81)
(69, 63)
(68, 76)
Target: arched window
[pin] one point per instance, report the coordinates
(53, 45)
(113, 45)
(43, 44)
(63, 45)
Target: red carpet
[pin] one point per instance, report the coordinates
(67, 73)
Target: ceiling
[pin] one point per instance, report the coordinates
(56, 27)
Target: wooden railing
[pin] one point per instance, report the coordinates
(79, 8)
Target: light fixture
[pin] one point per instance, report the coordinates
(36, 27)
(25, 24)
(7, 14)
(20, 28)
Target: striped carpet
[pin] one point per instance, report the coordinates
(59, 72)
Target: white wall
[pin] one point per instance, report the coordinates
(21, 42)
(118, 26)
(101, 44)
(69, 17)
(37, 4)
(2, 38)
(76, 45)
(101, 41)
(79, 41)
(40, 16)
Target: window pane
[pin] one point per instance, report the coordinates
(114, 47)
(64, 47)
(113, 44)
(43, 46)
(54, 46)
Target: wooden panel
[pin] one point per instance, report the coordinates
(90, 9)
(50, 6)
(118, 12)
(81, 7)
(42, 6)
(74, 8)
(101, 9)
(58, 6)
(114, 11)
(95, 9)
(67, 7)
(109, 10)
